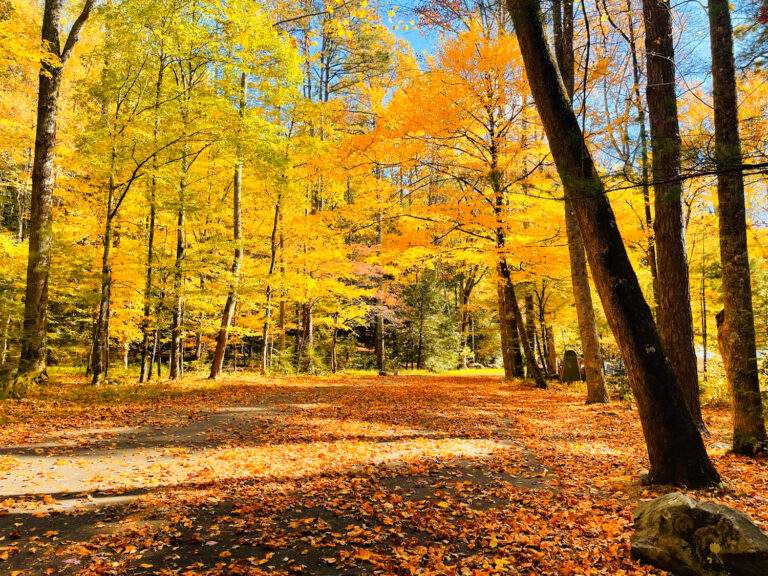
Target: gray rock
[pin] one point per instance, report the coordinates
(692, 538)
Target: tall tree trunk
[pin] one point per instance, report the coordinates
(597, 391)
(178, 278)
(100, 364)
(237, 235)
(273, 246)
(146, 362)
(675, 317)
(378, 329)
(738, 326)
(675, 447)
(33, 361)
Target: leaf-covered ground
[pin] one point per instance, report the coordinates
(357, 475)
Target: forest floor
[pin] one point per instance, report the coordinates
(347, 475)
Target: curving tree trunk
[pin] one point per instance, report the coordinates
(675, 447)
(736, 326)
(674, 315)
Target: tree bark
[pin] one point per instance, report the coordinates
(237, 234)
(737, 325)
(33, 359)
(4, 345)
(551, 351)
(273, 246)
(178, 279)
(100, 364)
(675, 317)
(146, 362)
(507, 352)
(597, 391)
(510, 299)
(334, 331)
(675, 447)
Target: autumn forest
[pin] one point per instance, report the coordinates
(346, 287)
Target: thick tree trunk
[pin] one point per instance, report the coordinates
(738, 326)
(675, 447)
(597, 391)
(675, 317)
(32, 362)
(510, 299)
(237, 236)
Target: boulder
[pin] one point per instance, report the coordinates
(692, 538)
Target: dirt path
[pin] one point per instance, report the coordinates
(268, 483)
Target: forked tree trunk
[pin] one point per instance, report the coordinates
(737, 328)
(675, 447)
(32, 362)
(597, 391)
(675, 317)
